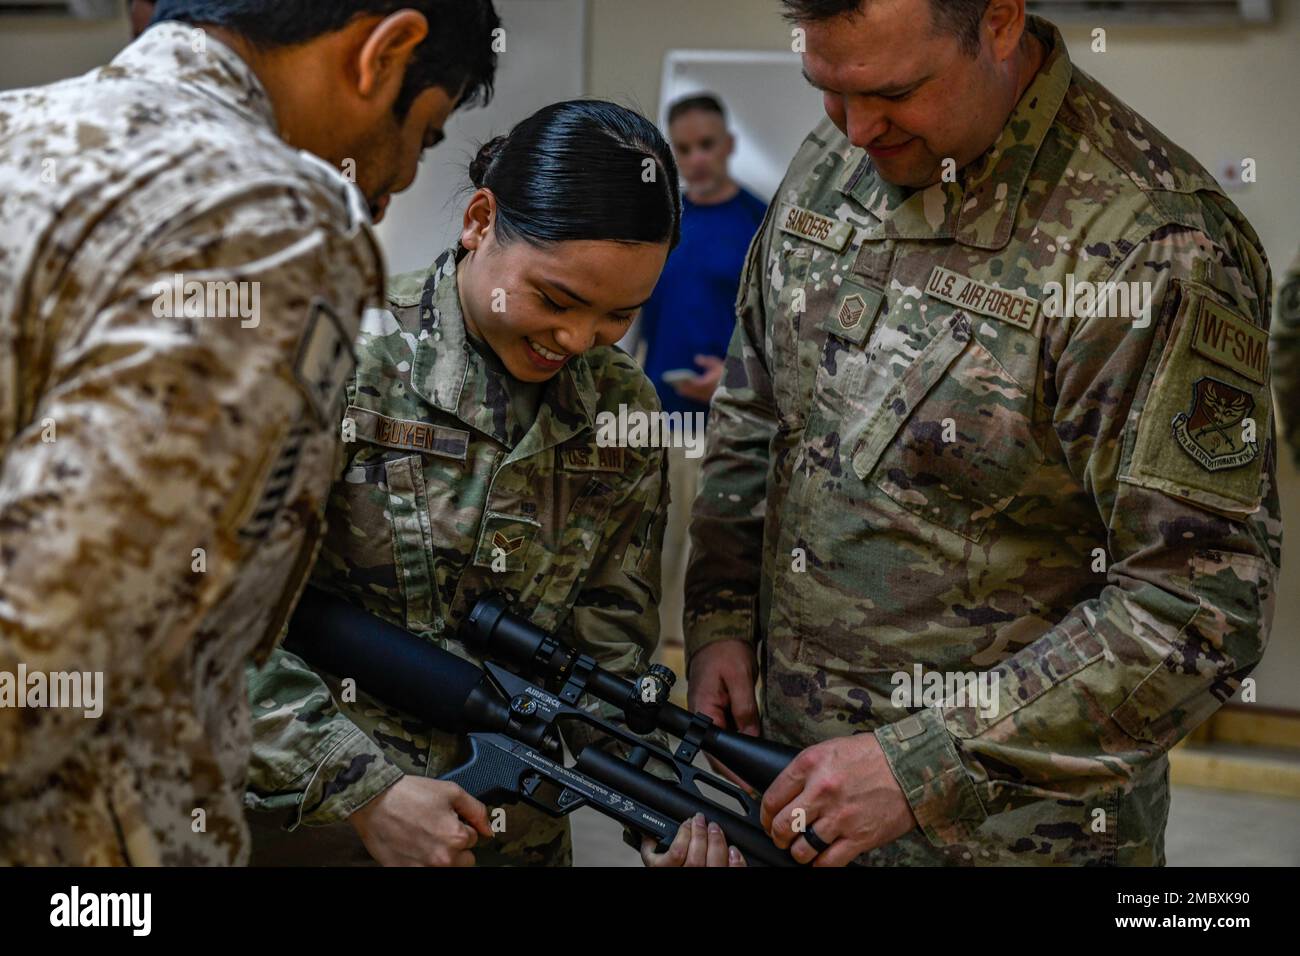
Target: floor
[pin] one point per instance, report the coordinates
(1206, 828)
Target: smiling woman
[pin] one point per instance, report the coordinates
(477, 467)
(592, 190)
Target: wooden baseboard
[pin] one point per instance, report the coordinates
(1198, 767)
(1251, 726)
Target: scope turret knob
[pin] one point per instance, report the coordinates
(654, 685)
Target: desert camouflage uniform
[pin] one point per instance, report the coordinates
(441, 483)
(952, 467)
(1286, 356)
(130, 440)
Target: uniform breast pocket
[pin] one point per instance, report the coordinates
(583, 538)
(379, 535)
(505, 542)
(539, 558)
(954, 440)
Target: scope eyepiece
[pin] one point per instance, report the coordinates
(482, 620)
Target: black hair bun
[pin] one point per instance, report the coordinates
(487, 154)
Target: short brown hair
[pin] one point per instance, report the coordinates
(705, 102)
(961, 18)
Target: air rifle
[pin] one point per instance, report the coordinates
(513, 723)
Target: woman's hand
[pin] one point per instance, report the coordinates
(422, 822)
(696, 844)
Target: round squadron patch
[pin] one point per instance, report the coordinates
(1213, 431)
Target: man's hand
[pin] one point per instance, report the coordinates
(848, 797)
(702, 387)
(422, 822)
(695, 845)
(720, 685)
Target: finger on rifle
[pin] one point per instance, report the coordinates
(840, 853)
(735, 858)
(744, 706)
(717, 852)
(472, 811)
(698, 854)
(678, 849)
(648, 845)
(783, 831)
(802, 850)
(713, 709)
(783, 791)
(468, 835)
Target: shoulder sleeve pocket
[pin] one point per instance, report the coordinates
(1207, 416)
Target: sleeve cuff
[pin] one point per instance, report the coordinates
(924, 761)
(714, 626)
(352, 774)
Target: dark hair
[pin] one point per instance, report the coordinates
(961, 18)
(576, 170)
(706, 102)
(457, 52)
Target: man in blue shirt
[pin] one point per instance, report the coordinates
(687, 324)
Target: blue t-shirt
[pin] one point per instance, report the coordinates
(692, 311)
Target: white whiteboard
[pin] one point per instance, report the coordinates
(544, 62)
(771, 108)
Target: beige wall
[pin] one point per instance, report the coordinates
(1220, 93)
(37, 50)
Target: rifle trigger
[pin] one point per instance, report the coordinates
(530, 784)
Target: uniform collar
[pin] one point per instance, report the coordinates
(980, 209)
(451, 375)
(167, 53)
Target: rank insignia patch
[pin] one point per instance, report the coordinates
(507, 545)
(851, 310)
(1213, 430)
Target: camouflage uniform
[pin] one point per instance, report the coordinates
(1286, 356)
(130, 440)
(442, 483)
(951, 467)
